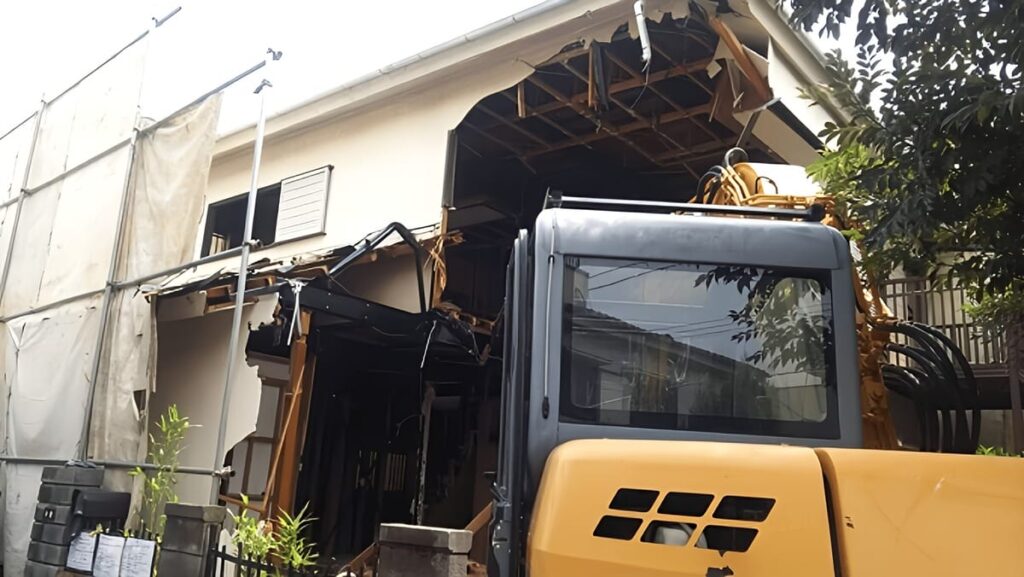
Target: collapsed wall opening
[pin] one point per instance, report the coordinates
(597, 121)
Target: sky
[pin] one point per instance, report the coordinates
(45, 45)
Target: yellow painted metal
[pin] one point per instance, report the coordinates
(581, 478)
(927, 514)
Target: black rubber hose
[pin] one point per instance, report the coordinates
(933, 384)
(713, 173)
(902, 383)
(948, 381)
(969, 381)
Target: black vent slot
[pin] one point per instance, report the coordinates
(669, 533)
(744, 508)
(721, 538)
(612, 527)
(634, 500)
(686, 504)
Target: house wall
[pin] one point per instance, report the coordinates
(388, 151)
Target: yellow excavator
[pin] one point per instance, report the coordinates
(701, 389)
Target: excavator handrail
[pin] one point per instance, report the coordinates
(813, 213)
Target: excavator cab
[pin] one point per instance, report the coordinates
(674, 322)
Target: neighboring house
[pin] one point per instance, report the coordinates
(373, 373)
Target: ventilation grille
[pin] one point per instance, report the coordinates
(667, 526)
(303, 205)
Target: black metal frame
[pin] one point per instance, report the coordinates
(367, 246)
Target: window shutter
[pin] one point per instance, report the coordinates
(303, 205)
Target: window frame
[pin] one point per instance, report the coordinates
(827, 428)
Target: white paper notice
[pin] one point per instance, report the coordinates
(137, 559)
(108, 556)
(80, 555)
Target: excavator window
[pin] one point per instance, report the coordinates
(690, 346)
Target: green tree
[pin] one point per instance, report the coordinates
(931, 163)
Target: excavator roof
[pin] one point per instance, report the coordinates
(752, 237)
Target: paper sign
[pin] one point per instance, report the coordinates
(108, 556)
(137, 559)
(80, 554)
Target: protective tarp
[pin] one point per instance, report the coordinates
(90, 118)
(65, 236)
(191, 369)
(166, 201)
(14, 148)
(48, 357)
(172, 165)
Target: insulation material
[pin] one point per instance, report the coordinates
(14, 149)
(172, 164)
(191, 368)
(90, 118)
(47, 363)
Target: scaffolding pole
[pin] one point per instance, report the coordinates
(243, 273)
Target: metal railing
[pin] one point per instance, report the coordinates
(941, 306)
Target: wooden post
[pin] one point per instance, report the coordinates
(283, 476)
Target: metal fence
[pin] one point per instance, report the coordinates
(941, 306)
(220, 562)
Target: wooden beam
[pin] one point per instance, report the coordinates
(662, 120)
(521, 109)
(551, 123)
(492, 138)
(584, 112)
(480, 520)
(702, 150)
(506, 122)
(640, 119)
(622, 85)
(761, 88)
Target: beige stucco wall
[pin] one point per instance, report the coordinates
(388, 153)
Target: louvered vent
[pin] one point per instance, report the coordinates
(303, 205)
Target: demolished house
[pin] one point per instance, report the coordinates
(366, 380)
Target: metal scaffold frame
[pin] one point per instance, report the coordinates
(113, 285)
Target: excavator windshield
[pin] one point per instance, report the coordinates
(703, 347)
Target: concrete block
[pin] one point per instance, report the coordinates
(57, 514)
(58, 494)
(185, 535)
(48, 553)
(51, 533)
(34, 569)
(451, 540)
(179, 564)
(423, 551)
(81, 476)
(204, 513)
